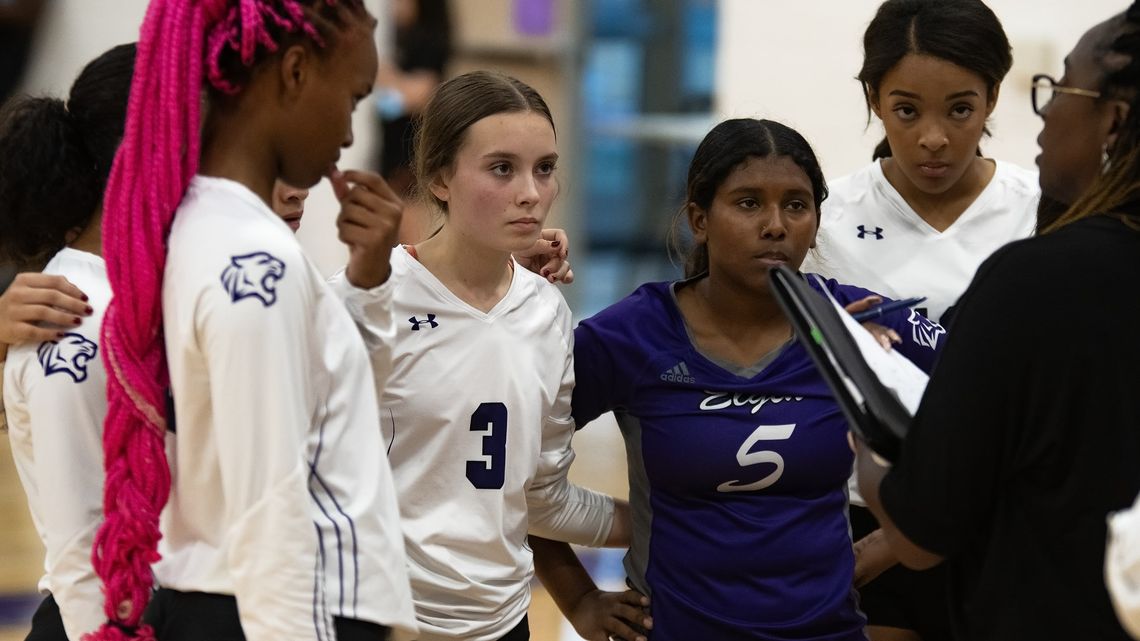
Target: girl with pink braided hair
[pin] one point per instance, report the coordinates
(282, 521)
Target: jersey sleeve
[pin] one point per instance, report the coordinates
(260, 365)
(557, 508)
(66, 422)
(372, 312)
(922, 338)
(598, 387)
(955, 457)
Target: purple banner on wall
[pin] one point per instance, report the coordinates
(534, 17)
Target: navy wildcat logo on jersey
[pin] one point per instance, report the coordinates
(876, 233)
(69, 355)
(253, 276)
(925, 331)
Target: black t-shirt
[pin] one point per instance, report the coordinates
(1029, 435)
(417, 49)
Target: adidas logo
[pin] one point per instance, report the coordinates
(679, 373)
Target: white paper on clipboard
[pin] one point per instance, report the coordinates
(903, 378)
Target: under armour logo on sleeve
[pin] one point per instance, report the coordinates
(876, 233)
(417, 323)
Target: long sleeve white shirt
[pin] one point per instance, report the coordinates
(55, 393)
(281, 492)
(476, 421)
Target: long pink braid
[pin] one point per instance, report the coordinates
(154, 164)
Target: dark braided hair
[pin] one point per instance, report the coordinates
(962, 32)
(1119, 184)
(55, 158)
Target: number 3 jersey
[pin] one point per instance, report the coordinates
(476, 420)
(737, 476)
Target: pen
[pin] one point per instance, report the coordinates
(886, 308)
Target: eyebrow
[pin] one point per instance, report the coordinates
(513, 156)
(949, 97)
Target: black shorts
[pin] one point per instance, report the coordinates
(520, 632)
(901, 597)
(47, 624)
(200, 616)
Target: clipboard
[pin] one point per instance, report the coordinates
(878, 391)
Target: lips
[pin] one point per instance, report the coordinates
(772, 258)
(524, 222)
(934, 169)
(293, 220)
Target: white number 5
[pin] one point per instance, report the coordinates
(746, 458)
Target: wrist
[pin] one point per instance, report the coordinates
(365, 277)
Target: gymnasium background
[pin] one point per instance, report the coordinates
(634, 85)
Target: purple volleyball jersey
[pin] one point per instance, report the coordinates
(737, 476)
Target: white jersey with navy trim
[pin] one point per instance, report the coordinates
(476, 420)
(281, 493)
(870, 237)
(56, 397)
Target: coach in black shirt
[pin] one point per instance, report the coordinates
(1029, 433)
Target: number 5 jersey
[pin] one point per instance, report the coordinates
(476, 421)
(737, 475)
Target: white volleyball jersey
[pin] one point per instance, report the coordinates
(281, 493)
(56, 395)
(476, 421)
(869, 236)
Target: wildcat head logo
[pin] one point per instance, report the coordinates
(925, 331)
(69, 355)
(253, 276)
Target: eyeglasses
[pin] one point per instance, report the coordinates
(1044, 87)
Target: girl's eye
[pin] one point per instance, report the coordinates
(961, 112)
(748, 203)
(796, 205)
(905, 112)
(545, 169)
(501, 169)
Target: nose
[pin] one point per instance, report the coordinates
(528, 191)
(773, 226)
(347, 142)
(299, 195)
(933, 137)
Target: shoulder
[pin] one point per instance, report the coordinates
(649, 302)
(1017, 178)
(539, 292)
(1020, 189)
(843, 294)
(849, 192)
(234, 246)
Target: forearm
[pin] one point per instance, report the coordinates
(561, 573)
(871, 474)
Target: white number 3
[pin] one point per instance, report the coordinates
(746, 458)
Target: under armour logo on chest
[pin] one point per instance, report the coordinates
(417, 323)
(876, 233)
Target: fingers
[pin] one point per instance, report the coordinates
(540, 248)
(373, 182)
(558, 239)
(339, 183)
(618, 628)
(556, 270)
(863, 304)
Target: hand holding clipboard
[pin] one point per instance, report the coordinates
(878, 391)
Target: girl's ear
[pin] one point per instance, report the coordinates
(438, 187)
(698, 223)
(991, 100)
(295, 70)
(873, 101)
